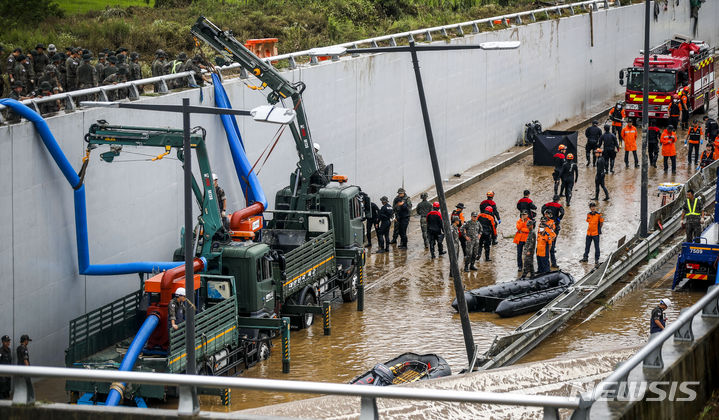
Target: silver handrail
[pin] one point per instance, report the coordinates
(25, 395)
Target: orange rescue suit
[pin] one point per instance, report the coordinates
(595, 222)
(491, 219)
(669, 143)
(544, 241)
(716, 149)
(522, 232)
(617, 123)
(629, 135)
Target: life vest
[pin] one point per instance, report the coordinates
(695, 135)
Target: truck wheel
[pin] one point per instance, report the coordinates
(349, 291)
(305, 320)
(263, 347)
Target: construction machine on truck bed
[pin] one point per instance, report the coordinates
(254, 276)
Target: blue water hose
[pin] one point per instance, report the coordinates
(128, 362)
(83, 250)
(248, 179)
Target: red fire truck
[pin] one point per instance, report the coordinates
(677, 63)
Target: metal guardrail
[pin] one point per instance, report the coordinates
(510, 348)
(24, 393)
(135, 87)
(651, 354)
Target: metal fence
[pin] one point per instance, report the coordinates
(24, 392)
(508, 349)
(313, 56)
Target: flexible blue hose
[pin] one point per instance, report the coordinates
(248, 179)
(83, 250)
(128, 362)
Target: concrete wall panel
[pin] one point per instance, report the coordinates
(363, 111)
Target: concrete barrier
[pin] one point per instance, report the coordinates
(364, 112)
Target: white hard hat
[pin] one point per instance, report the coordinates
(316, 146)
(214, 177)
(180, 291)
(666, 302)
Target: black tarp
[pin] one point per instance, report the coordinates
(547, 142)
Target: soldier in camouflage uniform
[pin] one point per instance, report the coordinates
(113, 79)
(122, 62)
(423, 208)
(71, 65)
(110, 68)
(40, 60)
(100, 65)
(471, 230)
(58, 63)
(50, 75)
(16, 94)
(455, 234)
(2, 75)
(135, 68)
(86, 77)
(19, 74)
(158, 68)
(528, 251)
(401, 197)
(47, 107)
(10, 64)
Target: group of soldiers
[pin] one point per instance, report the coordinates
(46, 71)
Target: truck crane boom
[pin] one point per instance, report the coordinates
(311, 178)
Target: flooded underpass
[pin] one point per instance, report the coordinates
(408, 295)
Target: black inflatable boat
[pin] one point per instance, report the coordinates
(519, 296)
(408, 367)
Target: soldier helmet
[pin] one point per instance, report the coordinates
(435, 205)
(120, 58)
(51, 48)
(112, 59)
(40, 46)
(460, 206)
(401, 191)
(180, 291)
(384, 199)
(159, 53)
(121, 49)
(134, 55)
(101, 56)
(45, 86)
(530, 223)
(86, 57)
(455, 219)
(424, 195)
(86, 51)
(50, 68)
(5, 339)
(197, 57)
(21, 58)
(19, 50)
(666, 302)
(488, 209)
(474, 214)
(122, 70)
(182, 56)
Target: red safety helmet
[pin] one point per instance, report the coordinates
(488, 209)
(570, 156)
(435, 205)
(490, 194)
(561, 147)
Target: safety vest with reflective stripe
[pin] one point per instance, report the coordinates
(692, 209)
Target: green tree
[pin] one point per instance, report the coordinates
(27, 12)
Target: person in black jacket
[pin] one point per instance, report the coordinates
(610, 144)
(592, 133)
(653, 142)
(435, 229)
(371, 215)
(569, 175)
(711, 128)
(385, 220)
(599, 177)
(402, 210)
(526, 204)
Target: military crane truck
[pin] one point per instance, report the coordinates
(253, 279)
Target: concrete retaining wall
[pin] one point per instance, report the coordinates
(363, 111)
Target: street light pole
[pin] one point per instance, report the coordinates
(644, 206)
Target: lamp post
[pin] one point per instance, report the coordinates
(644, 206)
(262, 114)
(412, 48)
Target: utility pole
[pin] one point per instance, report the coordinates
(446, 222)
(644, 206)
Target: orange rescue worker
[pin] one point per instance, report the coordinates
(617, 115)
(715, 145)
(489, 231)
(629, 135)
(675, 111)
(707, 156)
(520, 238)
(684, 98)
(595, 220)
(694, 139)
(545, 236)
(669, 149)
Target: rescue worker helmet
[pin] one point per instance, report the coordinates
(316, 146)
(666, 302)
(570, 156)
(598, 150)
(435, 205)
(180, 291)
(561, 147)
(423, 195)
(490, 194)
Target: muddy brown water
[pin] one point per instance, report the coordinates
(408, 295)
